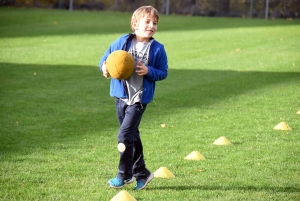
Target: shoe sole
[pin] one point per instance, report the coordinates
(116, 187)
(146, 183)
(130, 181)
(126, 182)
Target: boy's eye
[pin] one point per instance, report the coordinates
(148, 21)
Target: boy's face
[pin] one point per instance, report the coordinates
(145, 28)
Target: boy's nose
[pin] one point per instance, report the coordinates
(151, 24)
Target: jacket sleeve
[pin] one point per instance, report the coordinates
(106, 54)
(158, 68)
(116, 45)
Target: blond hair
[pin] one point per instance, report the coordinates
(142, 12)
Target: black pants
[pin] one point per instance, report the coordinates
(132, 159)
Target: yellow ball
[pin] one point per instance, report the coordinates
(120, 64)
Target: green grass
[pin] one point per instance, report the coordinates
(228, 77)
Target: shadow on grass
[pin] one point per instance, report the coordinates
(287, 189)
(45, 104)
(41, 22)
(202, 88)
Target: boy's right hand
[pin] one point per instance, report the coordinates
(105, 70)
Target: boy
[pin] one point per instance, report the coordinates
(133, 94)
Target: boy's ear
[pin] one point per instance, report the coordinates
(135, 25)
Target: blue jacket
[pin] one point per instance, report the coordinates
(157, 68)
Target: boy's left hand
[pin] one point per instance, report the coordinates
(141, 69)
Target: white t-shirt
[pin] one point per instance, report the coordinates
(134, 84)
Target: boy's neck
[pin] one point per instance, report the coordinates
(141, 39)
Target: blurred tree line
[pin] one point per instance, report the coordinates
(217, 8)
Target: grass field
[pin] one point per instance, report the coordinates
(228, 77)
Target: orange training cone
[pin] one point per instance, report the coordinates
(195, 155)
(222, 141)
(282, 126)
(123, 196)
(163, 172)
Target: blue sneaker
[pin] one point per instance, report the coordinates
(119, 183)
(142, 183)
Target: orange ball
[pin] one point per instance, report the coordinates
(120, 64)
